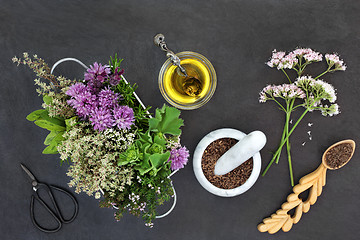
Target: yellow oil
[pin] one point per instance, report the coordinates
(187, 90)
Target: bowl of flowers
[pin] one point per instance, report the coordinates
(117, 151)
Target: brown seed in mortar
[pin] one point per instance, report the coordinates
(231, 180)
(338, 155)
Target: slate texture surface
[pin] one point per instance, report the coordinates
(237, 37)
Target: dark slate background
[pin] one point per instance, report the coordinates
(237, 37)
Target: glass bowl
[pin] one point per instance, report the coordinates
(174, 86)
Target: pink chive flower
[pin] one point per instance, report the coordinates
(96, 75)
(82, 99)
(123, 117)
(334, 60)
(178, 158)
(101, 119)
(108, 98)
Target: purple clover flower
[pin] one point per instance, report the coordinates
(178, 158)
(108, 98)
(101, 119)
(123, 117)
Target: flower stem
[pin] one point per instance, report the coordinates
(286, 75)
(282, 139)
(287, 119)
(288, 143)
(283, 142)
(327, 70)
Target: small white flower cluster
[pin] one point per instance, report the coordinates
(138, 179)
(150, 225)
(317, 88)
(334, 60)
(286, 91)
(328, 89)
(133, 197)
(317, 91)
(118, 139)
(97, 195)
(331, 110)
(173, 142)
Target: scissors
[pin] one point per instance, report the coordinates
(56, 214)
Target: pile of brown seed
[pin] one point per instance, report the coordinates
(231, 180)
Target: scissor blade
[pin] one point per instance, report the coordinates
(28, 172)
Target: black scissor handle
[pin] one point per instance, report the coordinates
(47, 230)
(76, 205)
(57, 214)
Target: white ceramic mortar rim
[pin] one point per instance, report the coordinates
(209, 138)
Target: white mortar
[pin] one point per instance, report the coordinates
(209, 138)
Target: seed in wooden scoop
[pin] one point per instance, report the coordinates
(339, 154)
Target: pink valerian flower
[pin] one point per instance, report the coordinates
(275, 58)
(178, 158)
(281, 61)
(123, 117)
(308, 54)
(286, 91)
(101, 119)
(289, 61)
(334, 60)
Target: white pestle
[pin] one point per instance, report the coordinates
(240, 152)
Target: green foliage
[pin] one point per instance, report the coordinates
(35, 115)
(55, 125)
(166, 121)
(115, 62)
(47, 99)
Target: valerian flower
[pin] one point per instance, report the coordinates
(314, 94)
(334, 60)
(285, 91)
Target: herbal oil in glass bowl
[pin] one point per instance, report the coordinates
(191, 91)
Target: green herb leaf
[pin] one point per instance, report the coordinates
(50, 137)
(166, 121)
(157, 160)
(70, 122)
(144, 167)
(160, 140)
(49, 125)
(47, 100)
(54, 120)
(145, 137)
(35, 115)
(50, 149)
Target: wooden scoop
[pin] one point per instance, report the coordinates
(313, 181)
